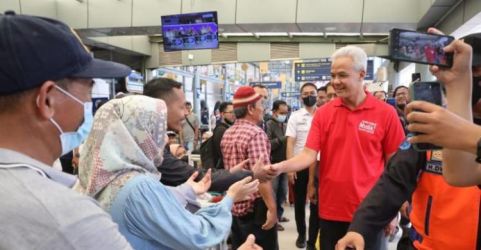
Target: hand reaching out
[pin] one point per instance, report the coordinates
(242, 189)
(201, 186)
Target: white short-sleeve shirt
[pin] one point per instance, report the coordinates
(298, 127)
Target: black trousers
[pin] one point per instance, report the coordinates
(252, 224)
(314, 227)
(300, 190)
(333, 231)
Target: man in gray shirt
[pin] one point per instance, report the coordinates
(45, 111)
(190, 129)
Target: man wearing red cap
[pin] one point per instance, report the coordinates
(245, 140)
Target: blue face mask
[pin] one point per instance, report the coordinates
(281, 118)
(71, 140)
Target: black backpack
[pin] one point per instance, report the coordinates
(207, 153)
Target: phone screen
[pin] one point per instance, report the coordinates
(429, 92)
(412, 46)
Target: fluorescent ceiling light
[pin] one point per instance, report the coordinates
(306, 33)
(343, 34)
(376, 34)
(270, 33)
(237, 34)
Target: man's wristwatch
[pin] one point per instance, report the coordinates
(478, 151)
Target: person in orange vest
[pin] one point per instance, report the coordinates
(442, 216)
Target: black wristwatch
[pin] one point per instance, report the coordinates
(478, 151)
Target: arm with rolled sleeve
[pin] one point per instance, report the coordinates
(153, 213)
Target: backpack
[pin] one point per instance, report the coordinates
(207, 153)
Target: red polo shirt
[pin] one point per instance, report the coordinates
(353, 146)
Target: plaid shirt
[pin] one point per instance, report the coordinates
(244, 140)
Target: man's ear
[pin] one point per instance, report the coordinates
(362, 74)
(45, 100)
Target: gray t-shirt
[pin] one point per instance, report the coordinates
(39, 211)
(188, 133)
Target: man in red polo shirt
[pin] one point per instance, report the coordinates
(356, 135)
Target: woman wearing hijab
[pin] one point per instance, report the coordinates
(119, 170)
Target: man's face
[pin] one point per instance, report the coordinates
(347, 82)
(188, 107)
(331, 93)
(228, 114)
(308, 91)
(321, 98)
(283, 110)
(380, 95)
(71, 115)
(262, 91)
(176, 110)
(257, 110)
(402, 96)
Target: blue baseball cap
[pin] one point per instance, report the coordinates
(37, 49)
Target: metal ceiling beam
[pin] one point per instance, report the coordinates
(296, 39)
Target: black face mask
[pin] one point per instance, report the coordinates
(309, 101)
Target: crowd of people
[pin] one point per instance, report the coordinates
(346, 151)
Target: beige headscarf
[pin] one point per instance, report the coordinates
(127, 138)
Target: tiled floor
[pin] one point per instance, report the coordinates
(287, 238)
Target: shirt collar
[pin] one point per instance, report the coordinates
(368, 103)
(245, 121)
(13, 157)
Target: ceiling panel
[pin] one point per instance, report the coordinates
(328, 11)
(10, 5)
(225, 8)
(404, 11)
(109, 13)
(45, 8)
(148, 12)
(266, 11)
(73, 13)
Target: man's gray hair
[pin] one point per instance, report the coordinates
(358, 56)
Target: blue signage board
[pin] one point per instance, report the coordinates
(269, 85)
(312, 71)
(321, 71)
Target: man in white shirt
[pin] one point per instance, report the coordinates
(297, 130)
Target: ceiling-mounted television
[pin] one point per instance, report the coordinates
(190, 31)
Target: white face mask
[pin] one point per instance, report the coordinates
(71, 140)
(281, 118)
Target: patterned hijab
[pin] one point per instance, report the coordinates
(127, 138)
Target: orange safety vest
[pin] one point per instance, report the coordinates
(446, 217)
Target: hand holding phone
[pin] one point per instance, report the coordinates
(429, 92)
(418, 47)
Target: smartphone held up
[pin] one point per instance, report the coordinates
(418, 47)
(428, 92)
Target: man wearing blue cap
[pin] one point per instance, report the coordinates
(46, 111)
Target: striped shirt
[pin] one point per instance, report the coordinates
(245, 140)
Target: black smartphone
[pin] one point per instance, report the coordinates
(418, 47)
(429, 92)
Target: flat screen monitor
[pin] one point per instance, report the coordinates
(190, 31)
